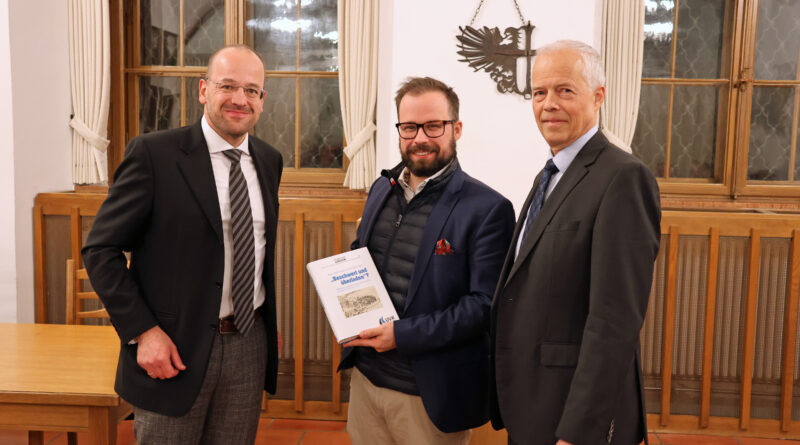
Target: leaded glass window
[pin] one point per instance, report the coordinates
(170, 45)
(720, 102)
(773, 148)
(682, 116)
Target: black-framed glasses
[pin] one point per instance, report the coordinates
(432, 129)
(230, 88)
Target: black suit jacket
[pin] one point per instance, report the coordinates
(163, 208)
(567, 312)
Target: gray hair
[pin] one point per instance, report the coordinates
(593, 71)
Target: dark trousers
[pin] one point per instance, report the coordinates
(228, 407)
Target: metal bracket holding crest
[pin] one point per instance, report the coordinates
(496, 53)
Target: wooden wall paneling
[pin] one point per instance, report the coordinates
(336, 378)
(39, 250)
(724, 426)
(790, 332)
(669, 324)
(76, 240)
(750, 328)
(708, 332)
(299, 261)
(75, 236)
(732, 224)
(312, 409)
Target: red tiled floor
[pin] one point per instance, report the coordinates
(326, 438)
(755, 441)
(692, 439)
(308, 425)
(305, 432)
(278, 437)
(125, 433)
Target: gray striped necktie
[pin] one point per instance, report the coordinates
(243, 245)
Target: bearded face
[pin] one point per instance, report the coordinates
(423, 160)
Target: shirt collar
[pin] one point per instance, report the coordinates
(566, 155)
(403, 179)
(215, 142)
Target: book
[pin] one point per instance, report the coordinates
(351, 292)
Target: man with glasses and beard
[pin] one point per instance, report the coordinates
(438, 238)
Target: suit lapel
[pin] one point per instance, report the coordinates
(199, 175)
(261, 163)
(577, 170)
(433, 230)
(510, 255)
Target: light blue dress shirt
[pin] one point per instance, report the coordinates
(562, 160)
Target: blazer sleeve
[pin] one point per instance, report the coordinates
(625, 243)
(119, 225)
(468, 316)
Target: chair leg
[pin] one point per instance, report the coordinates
(72, 438)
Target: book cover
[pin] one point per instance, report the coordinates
(351, 292)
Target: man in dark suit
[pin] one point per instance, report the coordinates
(197, 209)
(574, 288)
(438, 238)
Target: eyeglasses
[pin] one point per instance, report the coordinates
(432, 129)
(229, 88)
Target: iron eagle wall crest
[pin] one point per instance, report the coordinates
(496, 52)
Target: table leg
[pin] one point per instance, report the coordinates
(35, 437)
(102, 427)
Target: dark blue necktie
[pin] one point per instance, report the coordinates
(538, 197)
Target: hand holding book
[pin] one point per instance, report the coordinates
(380, 338)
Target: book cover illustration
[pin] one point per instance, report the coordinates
(351, 292)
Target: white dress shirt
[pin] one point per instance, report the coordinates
(562, 160)
(222, 166)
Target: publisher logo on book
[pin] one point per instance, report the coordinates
(386, 319)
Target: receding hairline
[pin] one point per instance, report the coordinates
(237, 47)
(593, 72)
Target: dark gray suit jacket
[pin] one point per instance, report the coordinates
(567, 312)
(163, 208)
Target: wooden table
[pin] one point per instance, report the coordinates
(59, 378)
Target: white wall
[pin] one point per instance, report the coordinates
(501, 144)
(8, 264)
(42, 157)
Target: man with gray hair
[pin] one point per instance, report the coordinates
(574, 288)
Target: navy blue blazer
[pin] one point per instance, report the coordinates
(445, 327)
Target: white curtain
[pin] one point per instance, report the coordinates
(622, 48)
(358, 87)
(90, 69)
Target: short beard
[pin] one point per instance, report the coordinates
(422, 170)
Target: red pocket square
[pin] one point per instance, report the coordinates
(443, 247)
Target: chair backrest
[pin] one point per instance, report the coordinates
(76, 297)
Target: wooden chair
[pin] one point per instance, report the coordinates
(76, 297)
(75, 314)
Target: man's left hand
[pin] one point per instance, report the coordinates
(563, 442)
(380, 338)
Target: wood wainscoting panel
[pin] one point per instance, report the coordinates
(719, 342)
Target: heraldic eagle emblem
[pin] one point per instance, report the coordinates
(496, 53)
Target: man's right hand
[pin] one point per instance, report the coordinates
(158, 355)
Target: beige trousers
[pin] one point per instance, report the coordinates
(380, 416)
